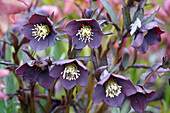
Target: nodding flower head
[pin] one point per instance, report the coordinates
(40, 31)
(36, 71)
(71, 73)
(84, 32)
(112, 89)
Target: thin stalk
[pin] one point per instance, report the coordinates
(68, 100)
(32, 97)
(151, 75)
(89, 106)
(32, 91)
(49, 98)
(33, 53)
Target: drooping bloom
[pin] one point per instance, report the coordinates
(36, 71)
(71, 72)
(112, 89)
(84, 32)
(139, 99)
(140, 41)
(40, 31)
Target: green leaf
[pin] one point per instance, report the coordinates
(110, 11)
(151, 17)
(125, 58)
(126, 17)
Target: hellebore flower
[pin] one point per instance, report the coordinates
(112, 89)
(139, 99)
(71, 72)
(83, 32)
(40, 31)
(141, 41)
(33, 71)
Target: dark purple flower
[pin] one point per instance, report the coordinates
(71, 72)
(140, 41)
(139, 99)
(40, 31)
(112, 89)
(88, 12)
(84, 32)
(33, 71)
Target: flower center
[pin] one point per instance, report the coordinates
(112, 89)
(40, 31)
(85, 34)
(70, 72)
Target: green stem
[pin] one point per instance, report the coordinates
(33, 53)
(151, 75)
(70, 92)
(49, 98)
(32, 97)
(89, 106)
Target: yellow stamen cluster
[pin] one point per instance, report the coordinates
(112, 89)
(41, 31)
(70, 72)
(85, 34)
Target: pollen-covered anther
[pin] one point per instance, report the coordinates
(85, 34)
(112, 89)
(41, 31)
(70, 72)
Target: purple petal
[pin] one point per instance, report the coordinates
(45, 80)
(153, 37)
(30, 74)
(83, 78)
(143, 48)
(67, 84)
(72, 27)
(31, 63)
(20, 70)
(78, 44)
(39, 45)
(138, 102)
(39, 19)
(56, 71)
(150, 25)
(137, 40)
(101, 82)
(81, 65)
(148, 93)
(127, 86)
(51, 39)
(27, 30)
(95, 26)
(116, 101)
(97, 40)
(63, 62)
(98, 94)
